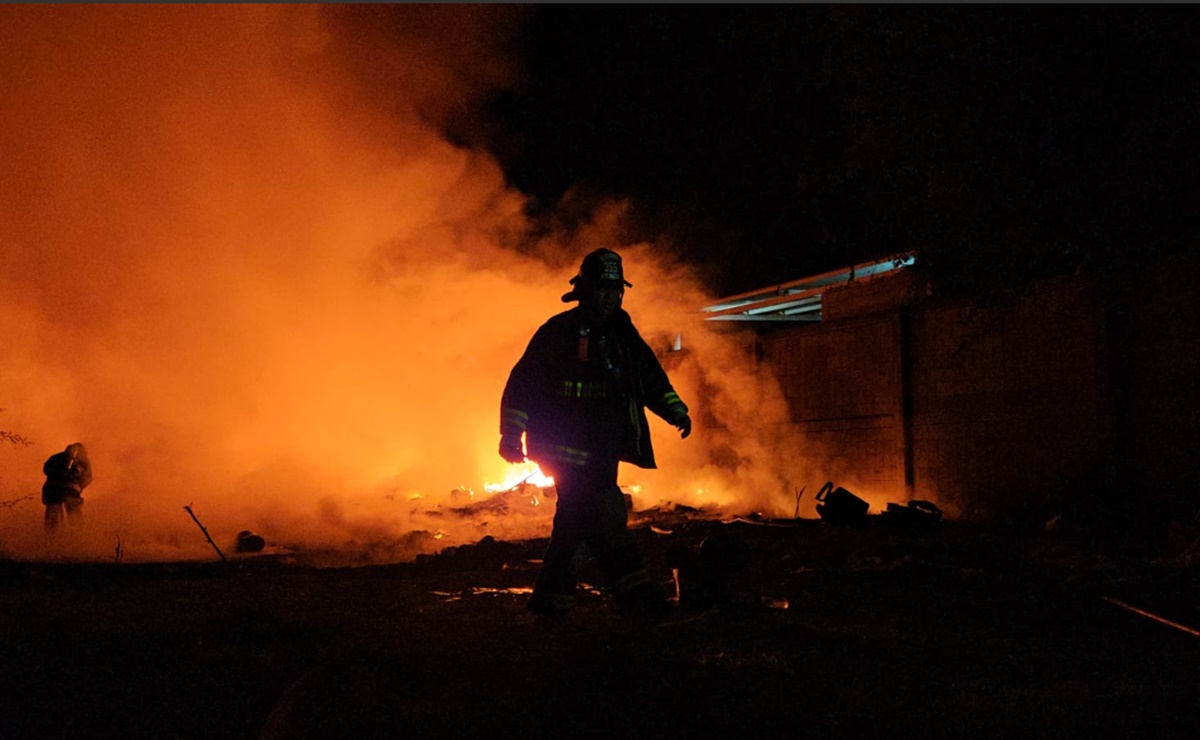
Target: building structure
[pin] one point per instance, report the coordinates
(1075, 399)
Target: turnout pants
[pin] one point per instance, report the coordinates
(591, 511)
(63, 505)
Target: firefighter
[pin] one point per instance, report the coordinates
(579, 395)
(67, 474)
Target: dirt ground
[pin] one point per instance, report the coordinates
(825, 632)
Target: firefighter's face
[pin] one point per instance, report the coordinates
(603, 300)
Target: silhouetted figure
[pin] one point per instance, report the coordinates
(67, 474)
(579, 395)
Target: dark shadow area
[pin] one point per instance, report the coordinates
(806, 629)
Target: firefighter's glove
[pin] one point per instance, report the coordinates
(683, 423)
(511, 448)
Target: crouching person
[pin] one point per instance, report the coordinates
(67, 474)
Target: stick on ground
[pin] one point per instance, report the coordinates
(188, 509)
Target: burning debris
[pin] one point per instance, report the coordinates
(670, 512)
(521, 497)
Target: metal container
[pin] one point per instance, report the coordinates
(839, 506)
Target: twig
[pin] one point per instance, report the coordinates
(15, 438)
(243, 586)
(798, 495)
(188, 509)
(9, 503)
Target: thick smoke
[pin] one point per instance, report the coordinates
(241, 261)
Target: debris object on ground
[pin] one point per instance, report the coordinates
(248, 541)
(839, 506)
(916, 514)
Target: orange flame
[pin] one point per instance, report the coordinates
(527, 473)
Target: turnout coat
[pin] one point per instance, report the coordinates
(67, 474)
(581, 391)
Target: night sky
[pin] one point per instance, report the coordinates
(767, 142)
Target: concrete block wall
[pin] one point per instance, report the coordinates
(841, 382)
(1008, 414)
(1152, 323)
(1080, 389)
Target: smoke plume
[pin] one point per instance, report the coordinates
(242, 261)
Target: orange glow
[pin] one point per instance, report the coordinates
(528, 473)
(252, 284)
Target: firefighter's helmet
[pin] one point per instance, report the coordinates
(599, 267)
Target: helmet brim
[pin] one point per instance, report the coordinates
(579, 283)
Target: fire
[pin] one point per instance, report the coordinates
(246, 284)
(527, 473)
